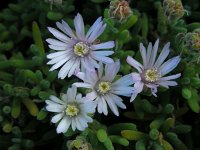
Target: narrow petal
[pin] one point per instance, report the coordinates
(167, 83)
(163, 55)
(57, 117)
(105, 45)
(81, 84)
(56, 54)
(117, 100)
(122, 90)
(138, 87)
(55, 108)
(93, 27)
(104, 106)
(96, 33)
(88, 106)
(73, 68)
(56, 100)
(111, 70)
(124, 81)
(63, 125)
(112, 105)
(79, 26)
(103, 53)
(153, 54)
(56, 42)
(59, 35)
(58, 48)
(58, 64)
(102, 58)
(171, 77)
(65, 68)
(100, 70)
(134, 95)
(143, 54)
(68, 30)
(73, 124)
(92, 95)
(57, 59)
(134, 63)
(169, 65)
(149, 51)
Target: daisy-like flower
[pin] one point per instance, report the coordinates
(151, 73)
(78, 50)
(72, 109)
(104, 89)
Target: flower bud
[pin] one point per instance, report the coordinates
(120, 10)
(173, 9)
(192, 40)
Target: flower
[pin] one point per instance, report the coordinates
(71, 109)
(151, 73)
(104, 89)
(75, 51)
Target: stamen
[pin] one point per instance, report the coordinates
(104, 87)
(81, 49)
(71, 110)
(152, 75)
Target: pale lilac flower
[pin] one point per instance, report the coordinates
(104, 89)
(151, 73)
(72, 109)
(78, 50)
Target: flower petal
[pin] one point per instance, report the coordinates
(81, 84)
(79, 26)
(105, 45)
(59, 35)
(93, 27)
(56, 42)
(57, 117)
(124, 81)
(171, 77)
(169, 65)
(143, 54)
(117, 100)
(153, 54)
(92, 95)
(163, 55)
(112, 105)
(134, 63)
(63, 125)
(97, 32)
(122, 90)
(101, 58)
(167, 83)
(111, 71)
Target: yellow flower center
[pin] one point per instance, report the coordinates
(72, 110)
(81, 49)
(152, 75)
(104, 87)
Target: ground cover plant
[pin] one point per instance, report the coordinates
(99, 75)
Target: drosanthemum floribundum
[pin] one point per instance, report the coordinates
(72, 109)
(104, 89)
(151, 73)
(78, 50)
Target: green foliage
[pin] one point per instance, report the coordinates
(169, 121)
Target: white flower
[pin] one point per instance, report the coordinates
(71, 109)
(151, 73)
(104, 89)
(77, 50)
